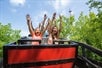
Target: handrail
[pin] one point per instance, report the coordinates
(89, 62)
(89, 47)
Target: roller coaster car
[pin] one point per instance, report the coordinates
(23, 55)
(64, 54)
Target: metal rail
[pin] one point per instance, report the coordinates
(84, 57)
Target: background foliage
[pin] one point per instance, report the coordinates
(87, 28)
(7, 35)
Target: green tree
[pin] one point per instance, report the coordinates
(98, 19)
(95, 4)
(67, 26)
(7, 35)
(87, 29)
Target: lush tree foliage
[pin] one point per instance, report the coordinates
(87, 28)
(7, 35)
(67, 26)
(95, 4)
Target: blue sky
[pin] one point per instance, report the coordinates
(14, 11)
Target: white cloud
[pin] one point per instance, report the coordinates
(17, 2)
(59, 4)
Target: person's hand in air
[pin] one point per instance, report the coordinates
(45, 16)
(28, 17)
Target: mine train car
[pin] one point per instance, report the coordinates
(64, 54)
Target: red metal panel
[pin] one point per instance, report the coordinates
(16, 56)
(34, 55)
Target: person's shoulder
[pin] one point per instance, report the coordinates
(33, 34)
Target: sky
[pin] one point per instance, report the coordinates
(14, 11)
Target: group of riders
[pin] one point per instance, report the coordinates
(49, 26)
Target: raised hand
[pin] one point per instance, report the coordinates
(45, 17)
(29, 23)
(28, 17)
(54, 15)
(60, 25)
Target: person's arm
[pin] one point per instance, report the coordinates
(51, 23)
(32, 26)
(48, 23)
(43, 22)
(29, 23)
(53, 18)
(60, 25)
(49, 28)
(50, 40)
(40, 26)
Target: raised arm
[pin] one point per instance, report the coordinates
(49, 28)
(60, 25)
(54, 17)
(32, 26)
(43, 22)
(29, 23)
(46, 27)
(51, 23)
(40, 26)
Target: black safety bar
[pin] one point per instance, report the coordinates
(61, 41)
(90, 48)
(24, 41)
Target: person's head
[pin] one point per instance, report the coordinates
(54, 30)
(37, 31)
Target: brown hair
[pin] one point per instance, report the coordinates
(57, 35)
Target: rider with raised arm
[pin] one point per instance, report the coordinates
(54, 31)
(36, 33)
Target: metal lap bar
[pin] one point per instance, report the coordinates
(61, 41)
(28, 40)
(41, 63)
